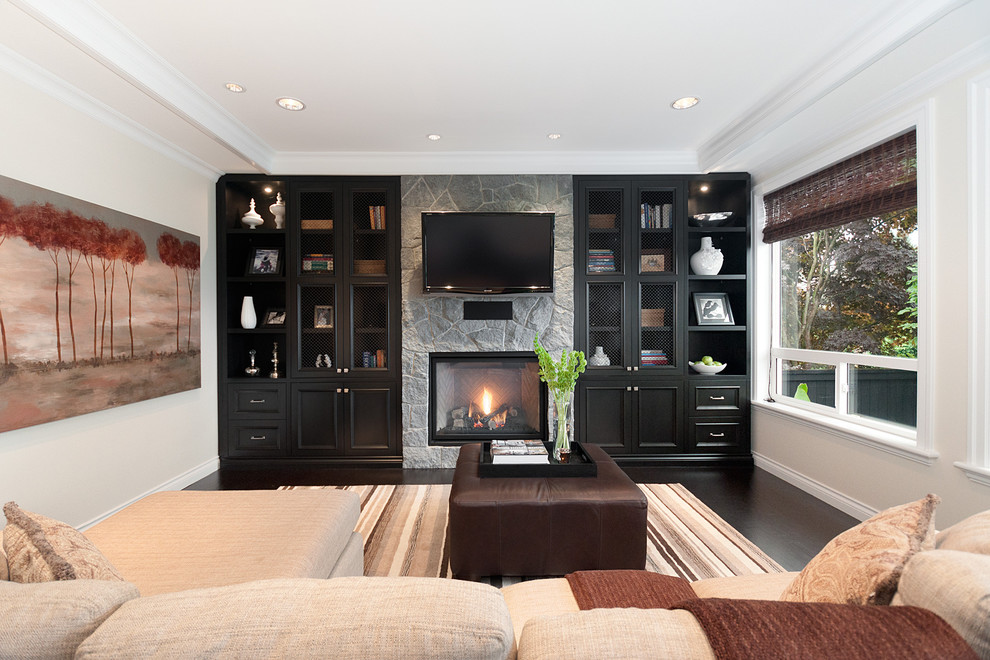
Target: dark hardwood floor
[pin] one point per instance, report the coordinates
(787, 523)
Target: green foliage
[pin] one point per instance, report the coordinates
(560, 376)
(801, 393)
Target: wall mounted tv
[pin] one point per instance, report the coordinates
(488, 253)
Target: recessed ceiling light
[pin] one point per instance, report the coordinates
(685, 103)
(553, 136)
(234, 87)
(290, 103)
(433, 136)
(704, 187)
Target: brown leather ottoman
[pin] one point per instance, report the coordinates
(544, 526)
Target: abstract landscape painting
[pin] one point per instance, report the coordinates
(97, 308)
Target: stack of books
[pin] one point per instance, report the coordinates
(373, 359)
(601, 261)
(377, 216)
(317, 262)
(653, 358)
(655, 216)
(519, 451)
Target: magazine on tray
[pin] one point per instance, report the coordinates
(519, 451)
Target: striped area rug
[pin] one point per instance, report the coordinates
(405, 531)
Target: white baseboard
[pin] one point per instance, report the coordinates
(843, 503)
(178, 483)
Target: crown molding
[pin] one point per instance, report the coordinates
(47, 83)
(486, 162)
(91, 29)
(880, 37)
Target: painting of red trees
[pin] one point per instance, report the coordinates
(98, 308)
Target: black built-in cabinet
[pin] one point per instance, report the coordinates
(633, 297)
(337, 395)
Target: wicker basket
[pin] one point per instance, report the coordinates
(652, 318)
(369, 266)
(601, 220)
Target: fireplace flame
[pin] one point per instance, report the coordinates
(486, 402)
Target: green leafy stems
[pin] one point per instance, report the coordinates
(560, 378)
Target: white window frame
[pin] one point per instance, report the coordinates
(977, 464)
(914, 444)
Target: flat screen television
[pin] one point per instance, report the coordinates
(488, 253)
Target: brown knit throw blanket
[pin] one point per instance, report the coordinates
(766, 629)
(750, 629)
(643, 589)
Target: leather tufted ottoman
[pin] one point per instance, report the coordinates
(544, 526)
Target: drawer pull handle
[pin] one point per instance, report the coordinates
(716, 435)
(259, 437)
(628, 368)
(346, 390)
(628, 389)
(339, 390)
(716, 398)
(257, 400)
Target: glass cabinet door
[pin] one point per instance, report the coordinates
(655, 249)
(369, 321)
(656, 325)
(318, 313)
(605, 231)
(605, 315)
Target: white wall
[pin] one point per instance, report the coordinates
(857, 477)
(79, 469)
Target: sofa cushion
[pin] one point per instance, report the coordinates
(532, 598)
(862, 565)
(954, 585)
(40, 549)
(767, 586)
(4, 575)
(615, 633)
(352, 617)
(969, 535)
(177, 540)
(51, 619)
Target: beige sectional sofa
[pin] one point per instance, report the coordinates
(260, 596)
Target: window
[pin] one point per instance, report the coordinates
(845, 264)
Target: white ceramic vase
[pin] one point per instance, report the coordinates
(251, 219)
(249, 318)
(278, 210)
(599, 359)
(707, 260)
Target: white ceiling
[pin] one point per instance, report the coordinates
(492, 78)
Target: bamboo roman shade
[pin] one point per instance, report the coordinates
(875, 181)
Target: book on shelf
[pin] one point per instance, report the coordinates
(317, 262)
(601, 261)
(653, 358)
(519, 451)
(655, 216)
(376, 215)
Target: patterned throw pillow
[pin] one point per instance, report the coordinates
(40, 549)
(970, 535)
(862, 565)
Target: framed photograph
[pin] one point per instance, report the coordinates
(274, 317)
(265, 261)
(323, 316)
(713, 309)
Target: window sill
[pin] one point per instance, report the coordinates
(976, 474)
(886, 442)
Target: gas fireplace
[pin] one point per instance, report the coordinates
(481, 396)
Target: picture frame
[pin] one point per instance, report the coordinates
(265, 261)
(274, 317)
(713, 309)
(323, 316)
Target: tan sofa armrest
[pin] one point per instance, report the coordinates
(767, 586)
(615, 633)
(352, 617)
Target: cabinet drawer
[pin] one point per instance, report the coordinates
(257, 401)
(720, 436)
(717, 397)
(259, 439)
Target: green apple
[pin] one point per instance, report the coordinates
(707, 360)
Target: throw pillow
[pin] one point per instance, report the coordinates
(969, 535)
(863, 564)
(40, 549)
(954, 585)
(4, 575)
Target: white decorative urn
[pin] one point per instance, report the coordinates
(707, 260)
(278, 210)
(599, 358)
(251, 219)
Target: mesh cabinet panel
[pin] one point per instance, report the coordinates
(656, 315)
(317, 327)
(604, 231)
(370, 318)
(605, 320)
(370, 246)
(316, 232)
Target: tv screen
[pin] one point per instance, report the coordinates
(488, 253)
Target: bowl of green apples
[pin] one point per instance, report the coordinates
(707, 365)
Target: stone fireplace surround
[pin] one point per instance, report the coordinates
(435, 323)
